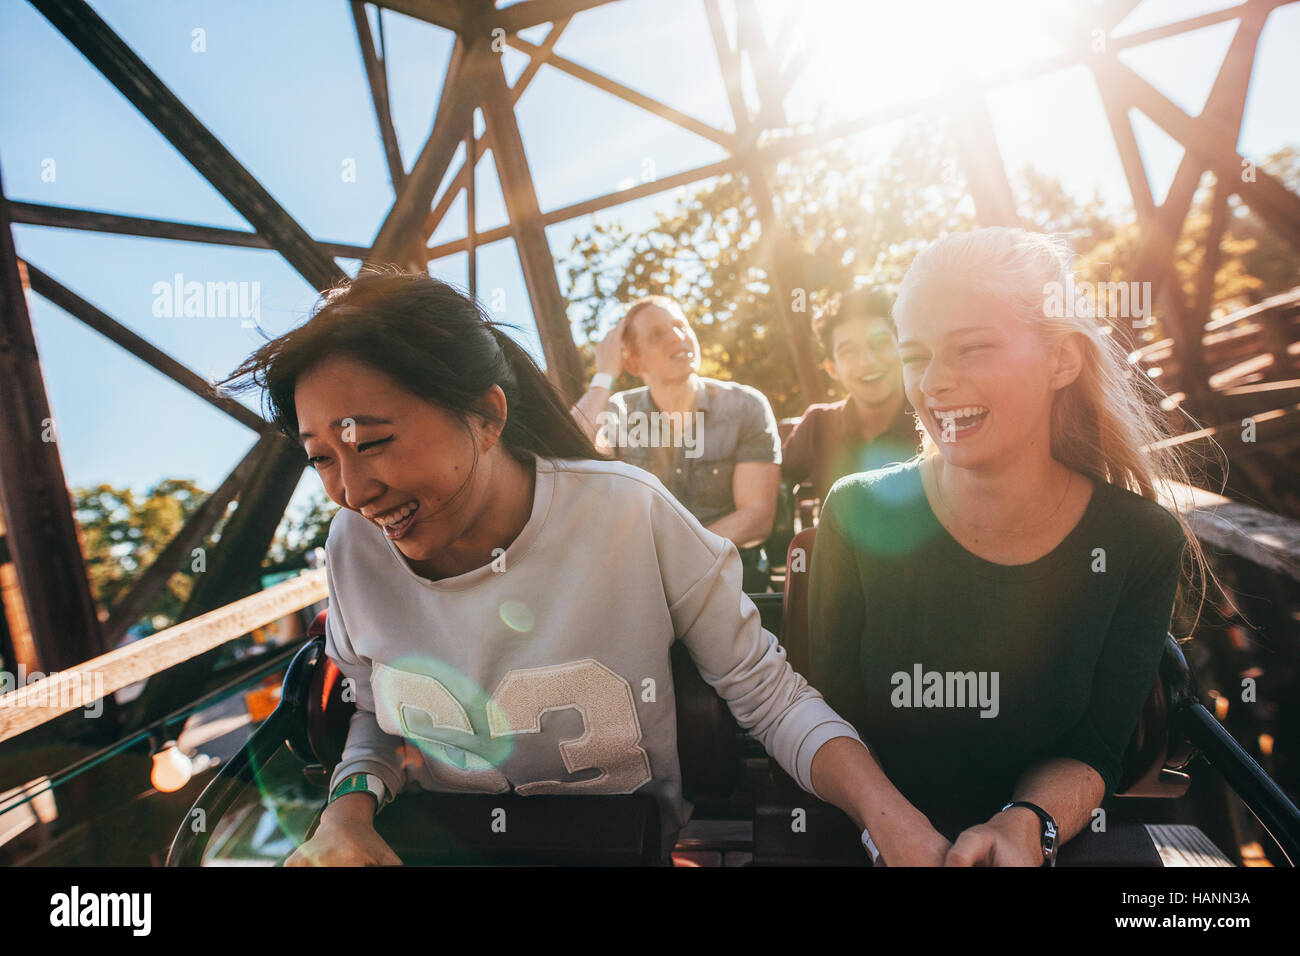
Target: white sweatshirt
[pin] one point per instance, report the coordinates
(548, 671)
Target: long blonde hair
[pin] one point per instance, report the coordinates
(1107, 424)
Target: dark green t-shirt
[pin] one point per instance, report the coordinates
(959, 673)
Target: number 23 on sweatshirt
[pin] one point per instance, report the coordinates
(548, 671)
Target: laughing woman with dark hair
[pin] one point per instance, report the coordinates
(487, 567)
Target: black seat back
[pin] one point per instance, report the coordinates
(1155, 758)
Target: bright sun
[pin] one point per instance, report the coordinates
(866, 54)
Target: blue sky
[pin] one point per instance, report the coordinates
(281, 83)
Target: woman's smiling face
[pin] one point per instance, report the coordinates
(979, 379)
(387, 454)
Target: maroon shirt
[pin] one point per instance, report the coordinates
(827, 444)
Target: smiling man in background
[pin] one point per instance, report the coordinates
(872, 427)
(726, 466)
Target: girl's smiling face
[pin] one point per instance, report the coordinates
(978, 377)
(397, 460)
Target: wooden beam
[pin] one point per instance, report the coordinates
(1163, 227)
(119, 64)
(1265, 195)
(1130, 157)
(447, 14)
(564, 367)
(398, 240)
(588, 206)
(471, 212)
(797, 333)
(529, 13)
(77, 307)
(132, 605)
(751, 39)
(1225, 104)
(1283, 300)
(377, 78)
(626, 93)
(463, 178)
(14, 611)
(977, 144)
(1261, 537)
(41, 531)
(729, 64)
(1193, 358)
(92, 220)
(1166, 30)
(79, 686)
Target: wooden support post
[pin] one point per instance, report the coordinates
(471, 211)
(986, 175)
(798, 333)
(563, 365)
(41, 531)
(1194, 376)
(19, 646)
(463, 178)
(729, 64)
(399, 241)
(377, 77)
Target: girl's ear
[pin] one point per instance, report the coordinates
(1067, 359)
(492, 406)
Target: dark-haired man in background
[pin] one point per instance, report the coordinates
(872, 427)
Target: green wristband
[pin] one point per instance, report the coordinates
(362, 783)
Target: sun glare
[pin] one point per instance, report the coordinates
(863, 56)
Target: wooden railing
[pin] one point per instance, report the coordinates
(1260, 537)
(59, 693)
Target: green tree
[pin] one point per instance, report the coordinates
(123, 533)
(301, 533)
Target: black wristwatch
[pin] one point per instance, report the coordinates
(1049, 829)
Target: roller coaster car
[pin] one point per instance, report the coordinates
(426, 828)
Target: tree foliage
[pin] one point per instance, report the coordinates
(123, 533)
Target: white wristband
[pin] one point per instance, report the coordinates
(870, 847)
(602, 380)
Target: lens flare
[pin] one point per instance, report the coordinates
(517, 616)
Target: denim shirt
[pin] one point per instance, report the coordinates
(736, 424)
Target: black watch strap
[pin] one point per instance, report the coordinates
(1050, 830)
